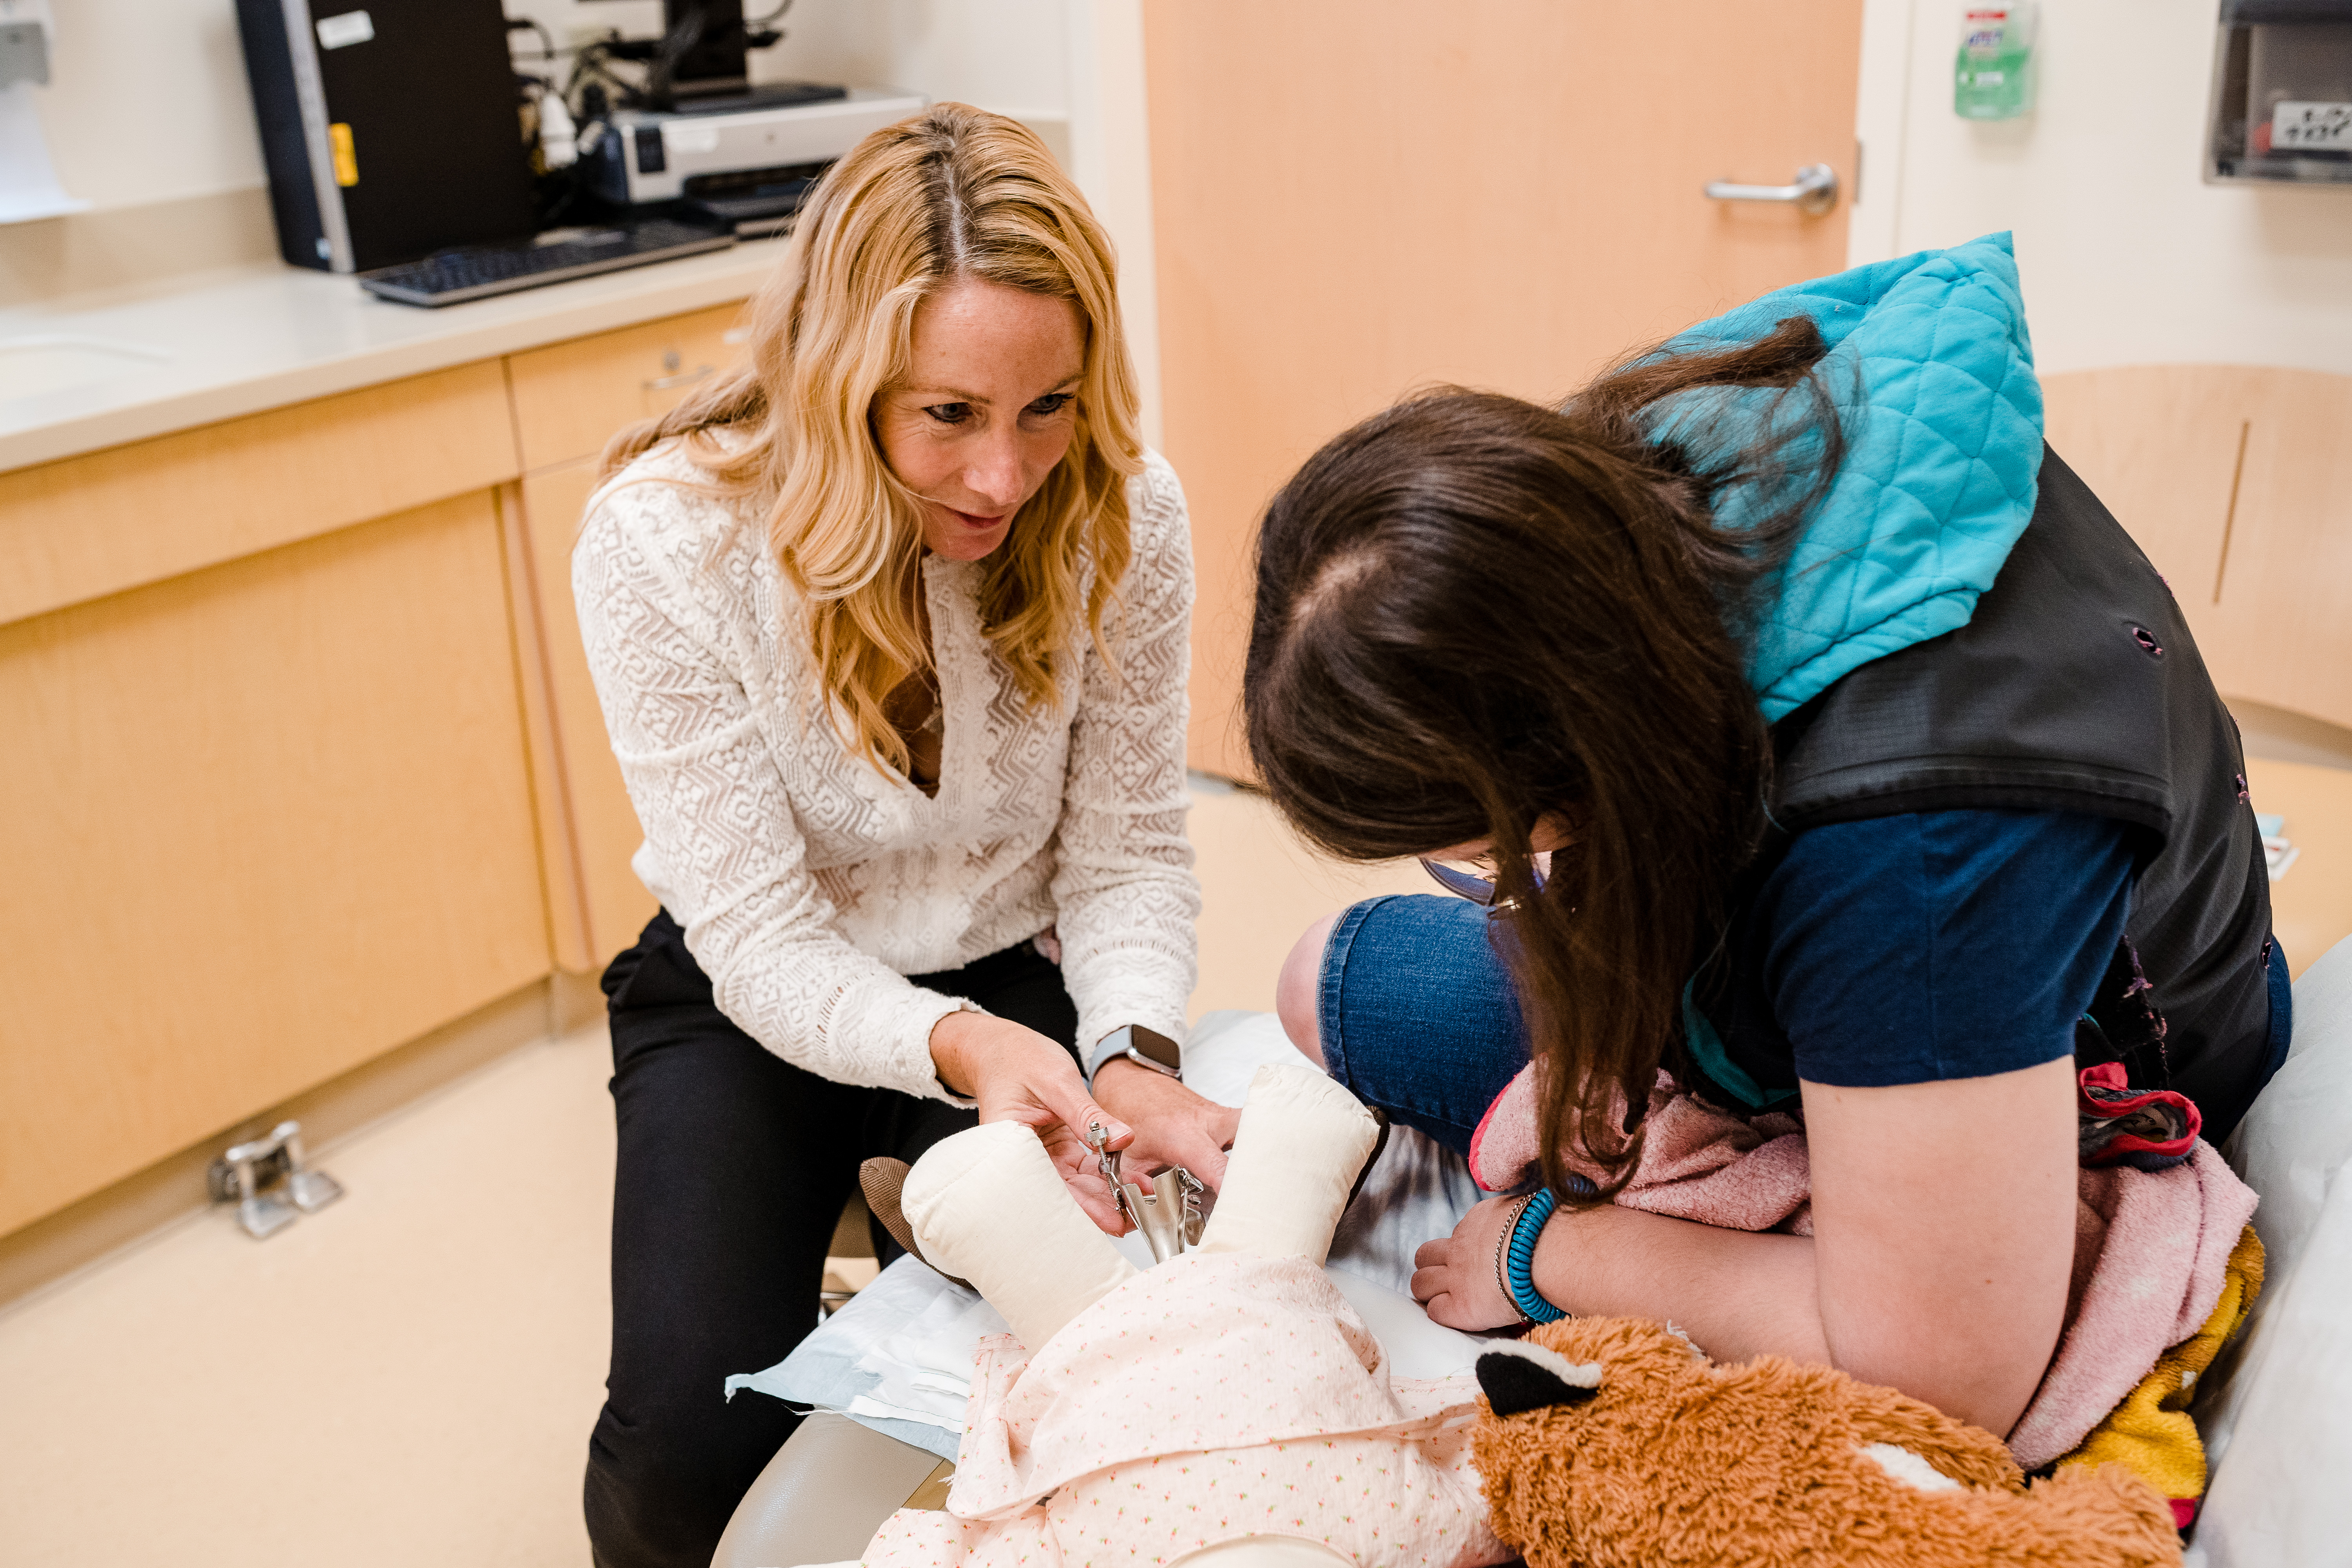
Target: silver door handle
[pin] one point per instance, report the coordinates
(1815, 191)
(683, 378)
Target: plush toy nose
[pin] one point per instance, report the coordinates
(1522, 1376)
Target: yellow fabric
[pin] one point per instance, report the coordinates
(2150, 1433)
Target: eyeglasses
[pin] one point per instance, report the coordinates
(1477, 885)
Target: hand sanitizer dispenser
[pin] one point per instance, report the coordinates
(1992, 78)
(2282, 102)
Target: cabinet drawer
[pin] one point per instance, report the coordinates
(569, 399)
(85, 527)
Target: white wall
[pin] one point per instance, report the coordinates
(146, 102)
(1010, 55)
(147, 98)
(2127, 257)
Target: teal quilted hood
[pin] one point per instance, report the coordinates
(1932, 370)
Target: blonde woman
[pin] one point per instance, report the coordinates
(890, 633)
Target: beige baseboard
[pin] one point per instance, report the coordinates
(116, 248)
(172, 1188)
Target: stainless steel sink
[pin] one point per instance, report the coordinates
(44, 362)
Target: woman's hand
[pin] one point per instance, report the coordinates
(1173, 1126)
(1454, 1276)
(1019, 1075)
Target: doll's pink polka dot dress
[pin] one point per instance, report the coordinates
(1213, 1398)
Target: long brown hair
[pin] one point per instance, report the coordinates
(1474, 611)
(949, 194)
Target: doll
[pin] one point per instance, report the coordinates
(1226, 1406)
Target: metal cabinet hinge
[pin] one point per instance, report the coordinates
(270, 1182)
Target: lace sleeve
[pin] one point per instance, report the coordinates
(1125, 896)
(717, 818)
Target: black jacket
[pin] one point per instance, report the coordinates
(2074, 686)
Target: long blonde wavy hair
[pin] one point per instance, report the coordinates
(949, 193)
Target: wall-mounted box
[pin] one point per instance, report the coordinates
(2282, 102)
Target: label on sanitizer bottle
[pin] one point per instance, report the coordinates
(1992, 78)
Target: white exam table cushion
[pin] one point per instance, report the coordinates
(2275, 1410)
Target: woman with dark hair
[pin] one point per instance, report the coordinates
(1809, 732)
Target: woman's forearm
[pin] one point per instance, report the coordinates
(1737, 1294)
(1944, 1226)
(1944, 1217)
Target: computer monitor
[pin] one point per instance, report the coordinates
(713, 58)
(387, 134)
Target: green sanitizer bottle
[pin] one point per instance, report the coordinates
(1993, 77)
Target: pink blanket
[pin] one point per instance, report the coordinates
(2150, 1246)
(1219, 1397)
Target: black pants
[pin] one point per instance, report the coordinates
(734, 1166)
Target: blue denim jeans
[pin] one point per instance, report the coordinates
(2281, 1009)
(1417, 1013)
(1418, 1016)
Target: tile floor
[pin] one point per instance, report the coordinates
(409, 1377)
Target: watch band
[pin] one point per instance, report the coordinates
(1144, 1047)
(1502, 1243)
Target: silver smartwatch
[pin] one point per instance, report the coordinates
(1144, 1047)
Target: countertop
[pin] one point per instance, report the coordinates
(217, 345)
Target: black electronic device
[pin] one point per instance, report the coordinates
(709, 47)
(755, 202)
(704, 49)
(390, 133)
(2280, 108)
(474, 272)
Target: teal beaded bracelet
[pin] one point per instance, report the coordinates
(1519, 1257)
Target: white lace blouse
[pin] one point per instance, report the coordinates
(808, 883)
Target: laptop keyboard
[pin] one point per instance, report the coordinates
(477, 271)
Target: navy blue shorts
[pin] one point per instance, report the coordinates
(1417, 1013)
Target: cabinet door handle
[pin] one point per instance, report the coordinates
(683, 378)
(1814, 191)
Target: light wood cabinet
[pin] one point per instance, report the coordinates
(601, 828)
(74, 529)
(2237, 482)
(263, 823)
(570, 397)
(304, 760)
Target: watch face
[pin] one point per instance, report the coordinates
(1162, 1051)
(1145, 1047)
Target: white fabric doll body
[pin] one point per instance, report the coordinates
(1230, 1395)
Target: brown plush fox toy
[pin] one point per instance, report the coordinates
(1613, 1441)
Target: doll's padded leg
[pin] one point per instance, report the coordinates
(1302, 1141)
(988, 1205)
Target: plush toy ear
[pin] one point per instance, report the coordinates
(1521, 1376)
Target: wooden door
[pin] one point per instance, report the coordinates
(1352, 200)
